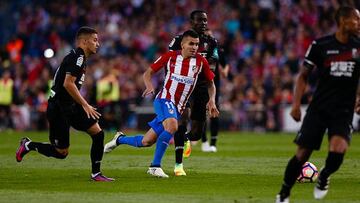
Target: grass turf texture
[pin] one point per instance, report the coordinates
(248, 167)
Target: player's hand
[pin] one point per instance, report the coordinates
(357, 106)
(148, 91)
(212, 110)
(295, 113)
(224, 72)
(91, 112)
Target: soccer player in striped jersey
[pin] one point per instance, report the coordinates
(182, 71)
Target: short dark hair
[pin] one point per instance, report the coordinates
(190, 33)
(343, 11)
(193, 13)
(85, 31)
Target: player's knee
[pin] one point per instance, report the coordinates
(171, 125)
(303, 154)
(338, 144)
(147, 143)
(171, 129)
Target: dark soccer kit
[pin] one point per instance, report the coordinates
(208, 48)
(63, 111)
(332, 106)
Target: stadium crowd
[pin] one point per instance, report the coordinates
(264, 42)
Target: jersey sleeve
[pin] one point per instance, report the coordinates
(175, 43)
(222, 58)
(215, 51)
(209, 75)
(312, 55)
(161, 61)
(73, 65)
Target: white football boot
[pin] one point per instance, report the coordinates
(278, 199)
(321, 188)
(112, 144)
(205, 147)
(157, 172)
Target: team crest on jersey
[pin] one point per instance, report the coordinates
(171, 111)
(195, 68)
(80, 60)
(205, 45)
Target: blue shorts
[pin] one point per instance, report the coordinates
(164, 109)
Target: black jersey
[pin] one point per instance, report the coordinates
(75, 64)
(338, 70)
(208, 48)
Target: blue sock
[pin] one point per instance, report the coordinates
(134, 141)
(161, 145)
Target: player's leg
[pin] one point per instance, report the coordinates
(339, 139)
(179, 138)
(170, 127)
(78, 119)
(214, 122)
(198, 114)
(308, 138)
(168, 114)
(146, 140)
(58, 136)
(214, 131)
(292, 171)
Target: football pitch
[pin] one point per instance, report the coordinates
(248, 167)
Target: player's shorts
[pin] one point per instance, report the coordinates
(315, 124)
(163, 109)
(61, 117)
(199, 99)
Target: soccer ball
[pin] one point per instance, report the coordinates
(309, 173)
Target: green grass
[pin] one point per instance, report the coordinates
(248, 167)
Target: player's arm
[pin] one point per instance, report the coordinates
(300, 86)
(312, 58)
(357, 103)
(211, 105)
(209, 75)
(224, 71)
(149, 88)
(156, 66)
(69, 85)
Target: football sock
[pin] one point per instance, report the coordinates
(214, 129)
(332, 164)
(135, 141)
(97, 150)
(46, 149)
(179, 143)
(203, 134)
(161, 145)
(292, 171)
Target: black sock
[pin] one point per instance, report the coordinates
(203, 134)
(214, 129)
(46, 149)
(292, 171)
(333, 163)
(179, 143)
(97, 150)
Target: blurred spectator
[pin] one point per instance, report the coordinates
(6, 99)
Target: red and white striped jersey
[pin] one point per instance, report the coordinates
(181, 76)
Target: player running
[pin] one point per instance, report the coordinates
(208, 47)
(337, 59)
(66, 107)
(182, 71)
